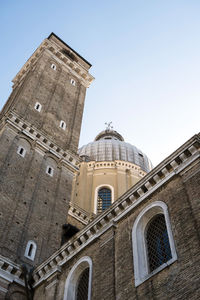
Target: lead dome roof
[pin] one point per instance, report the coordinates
(109, 145)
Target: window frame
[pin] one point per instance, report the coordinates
(52, 171)
(53, 66)
(40, 106)
(19, 149)
(96, 194)
(33, 252)
(72, 280)
(64, 125)
(140, 252)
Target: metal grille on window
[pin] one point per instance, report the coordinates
(104, 199)
(82, 289)
(158, 246)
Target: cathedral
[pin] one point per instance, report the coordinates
(93, 223)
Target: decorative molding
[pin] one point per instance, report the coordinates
(42, 142)
(76, 68)
(80, 214)
(119, 164)
(140, 257)
(73, 276)
(3, 290)
(184, 156)
(10, 271)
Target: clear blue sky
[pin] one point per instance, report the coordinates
(145, 56)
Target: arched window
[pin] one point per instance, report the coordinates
(153, 244)
(30, 251)
(158, 247)
(103, 199)
(82, 288)
(78, 285)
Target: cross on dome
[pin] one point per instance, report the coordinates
(109, 127)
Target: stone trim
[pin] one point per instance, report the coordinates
(3, 290)
(140, 256)
(78, 70)
(10, 271)
(119, 164)
(170, 167)
(78, 213)
(33, 252)
(73, 276)
(43, 142)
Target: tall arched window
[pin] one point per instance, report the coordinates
(157, 240)
(78, 285)
(82, 288)
(104, 199)
(153, 244)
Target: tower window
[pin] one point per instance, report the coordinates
(21, 151)
(49, 171)
(104, 199)
(62, 125)
(38, 106)
(53, 67)
(157, 240)
(30, 251)
(73, 82)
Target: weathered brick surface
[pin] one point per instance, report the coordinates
(71, 220)
(60, 100)
(112, 253)
(34, 205)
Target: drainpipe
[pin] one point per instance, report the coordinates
(28, 279)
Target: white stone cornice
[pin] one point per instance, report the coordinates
(79, 214)
(117, 164)
(164, 172)
(10, 271)
(43, 143)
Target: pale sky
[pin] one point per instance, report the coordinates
(145, 56)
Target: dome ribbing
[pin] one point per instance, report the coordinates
(109, 145)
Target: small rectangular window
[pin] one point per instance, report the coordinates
(49, 171)
(73, 82)
(62, 125)
(38, 106)
(30, 251)
(21, 151)
(53, 67)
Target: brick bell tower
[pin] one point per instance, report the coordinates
(39, 134)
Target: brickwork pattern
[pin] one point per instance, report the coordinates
(112, 252)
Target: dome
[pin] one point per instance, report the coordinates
(109, 145)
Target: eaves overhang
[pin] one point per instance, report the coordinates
(53, 34)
